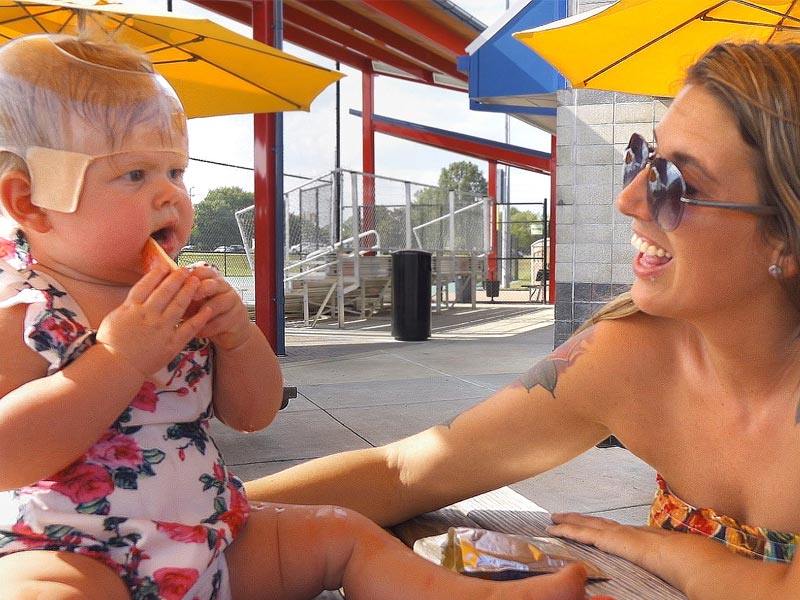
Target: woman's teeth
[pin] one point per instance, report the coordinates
(648, 249)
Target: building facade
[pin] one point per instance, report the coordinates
(593, 250)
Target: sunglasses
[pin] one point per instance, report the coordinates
(666, 186)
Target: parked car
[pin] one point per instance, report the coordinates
(233, 249)
(189, 248)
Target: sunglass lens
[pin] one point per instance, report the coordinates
(634, 159)
(665, 190)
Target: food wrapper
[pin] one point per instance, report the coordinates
(501, 556)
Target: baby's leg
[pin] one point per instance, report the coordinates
(295, 552)
(37, 574)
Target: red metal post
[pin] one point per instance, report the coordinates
(492, 274)
(264, 131)
(552, 225)
(368, 151)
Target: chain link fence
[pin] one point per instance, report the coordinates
(352, 210)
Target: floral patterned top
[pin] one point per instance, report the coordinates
(670, 512)
(152, 498)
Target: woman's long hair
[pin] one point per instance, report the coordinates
(760, 85)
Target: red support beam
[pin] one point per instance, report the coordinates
(265, 133)
(405, 45)
(324, 47)
(406, 13)
(241, 12)
(367, 124)
(462, 145)
(384, 36)
(316, 32)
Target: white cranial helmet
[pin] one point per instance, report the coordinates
(60, 110)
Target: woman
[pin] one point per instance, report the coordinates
(696, 371)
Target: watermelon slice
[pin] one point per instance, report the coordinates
(153, 253)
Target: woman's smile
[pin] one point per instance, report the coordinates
(651, 258)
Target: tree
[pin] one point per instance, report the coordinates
(466, 179)
(215, 220)
(463, 176)
(526, 227)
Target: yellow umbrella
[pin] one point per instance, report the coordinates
(214, 70)
(644, 46)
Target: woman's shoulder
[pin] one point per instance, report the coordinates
(630, 345)
(637, 328)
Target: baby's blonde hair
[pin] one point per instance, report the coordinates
(46, 81)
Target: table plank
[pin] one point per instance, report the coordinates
(507, 511)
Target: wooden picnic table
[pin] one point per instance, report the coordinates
(507, 511)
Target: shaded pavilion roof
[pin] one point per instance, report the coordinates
(419, 40)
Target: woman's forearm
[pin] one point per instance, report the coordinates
(706, 570)
(361, 480)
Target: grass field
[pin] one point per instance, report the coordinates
(236, 265)
(231, 265)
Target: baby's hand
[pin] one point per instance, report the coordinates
(230, 325)
(148, 329)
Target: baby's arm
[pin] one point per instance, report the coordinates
(248, 386)
(48, 421)
(295, 551)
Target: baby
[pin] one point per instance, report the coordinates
(113, 487)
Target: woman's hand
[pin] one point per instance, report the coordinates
(229, 327)
(632, 543)
(148, 329)
(701, 568)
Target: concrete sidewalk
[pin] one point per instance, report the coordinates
(359, 387)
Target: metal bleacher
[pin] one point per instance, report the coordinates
(335, 282)
(352, 277)
(337, 285)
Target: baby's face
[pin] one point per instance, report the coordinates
(57, 176)
(127, 196)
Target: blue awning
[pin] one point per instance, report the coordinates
(506, 76)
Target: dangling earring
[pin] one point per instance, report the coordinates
(776, 271)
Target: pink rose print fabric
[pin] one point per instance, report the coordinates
(152, 498)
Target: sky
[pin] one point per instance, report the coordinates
(310, 137)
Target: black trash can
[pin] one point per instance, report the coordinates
(463, 289)
(411, 295)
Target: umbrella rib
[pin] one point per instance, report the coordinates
(780, 26)
(753, 24)
(110, 23)
(191, 57)
(236, 75)
(144, 19)
(783, 19)
(29, 16)
(783, 15)
(650, 43)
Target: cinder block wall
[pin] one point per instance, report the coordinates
(593, 251)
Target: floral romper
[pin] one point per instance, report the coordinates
(152, 498)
